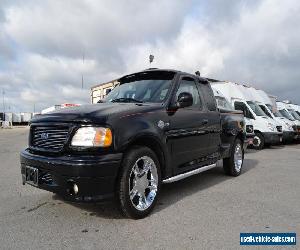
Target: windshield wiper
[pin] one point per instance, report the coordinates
(125, 99)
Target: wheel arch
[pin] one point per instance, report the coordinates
(150, 141)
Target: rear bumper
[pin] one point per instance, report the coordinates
(94, 175)
(273, 137)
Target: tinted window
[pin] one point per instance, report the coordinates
(188, 85)
(145, 87)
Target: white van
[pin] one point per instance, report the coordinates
(282, 124)
(283, 109)
(224, 105)
(264, 127)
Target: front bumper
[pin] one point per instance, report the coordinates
(273, 137)
(289, 136)
(94, 175)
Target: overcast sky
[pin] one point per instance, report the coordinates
(42, 44)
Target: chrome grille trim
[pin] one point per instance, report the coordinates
(49, 138)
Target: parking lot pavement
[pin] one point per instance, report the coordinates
(207, 211)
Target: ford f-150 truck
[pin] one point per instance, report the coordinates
(156, 126)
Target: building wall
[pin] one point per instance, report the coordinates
(100, 91)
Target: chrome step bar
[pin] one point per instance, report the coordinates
(188, 174)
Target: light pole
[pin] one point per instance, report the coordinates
(3, 93)
(82, 72)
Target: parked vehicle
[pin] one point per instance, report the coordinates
(282, 124)
(264, 127)
(58, 106)
(16, 118)
(283, 110)
(156, 126)
(288, 128)
(26, 117)
(224, 106)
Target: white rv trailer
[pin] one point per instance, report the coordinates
(282, 124)
(264, 127)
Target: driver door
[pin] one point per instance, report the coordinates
(188, 133)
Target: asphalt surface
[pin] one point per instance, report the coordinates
(207, 211)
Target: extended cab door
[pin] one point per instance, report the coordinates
(189, 129)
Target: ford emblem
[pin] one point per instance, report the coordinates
(44, 136)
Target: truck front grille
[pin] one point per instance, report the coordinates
(49, 138)
(279, 128)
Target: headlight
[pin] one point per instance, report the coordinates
(289, 127)
(92, 137)
(271, 127)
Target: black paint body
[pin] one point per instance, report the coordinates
(189, 139)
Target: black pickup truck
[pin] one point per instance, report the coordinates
(156, 126)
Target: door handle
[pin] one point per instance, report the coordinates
(205, 121)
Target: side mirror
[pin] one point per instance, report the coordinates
(185, 99)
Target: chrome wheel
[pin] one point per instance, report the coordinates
(238, 157)
(256, 141)
(143, 182)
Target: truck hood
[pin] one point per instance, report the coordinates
(92, 113)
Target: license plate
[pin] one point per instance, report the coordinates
(31, 175)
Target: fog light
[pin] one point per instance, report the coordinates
(75, 189)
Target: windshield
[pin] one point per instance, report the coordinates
(274, 111)
(286, 114)
(294, 114)
(142, 87)
(222, 103)
(264, 108)
(256, 109)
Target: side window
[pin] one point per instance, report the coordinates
(242, 107)
(188, 85)
(265, 110)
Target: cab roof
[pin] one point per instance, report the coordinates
(202, 79)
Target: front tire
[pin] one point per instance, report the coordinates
(233, 164)
(258, 141)
(139, 182)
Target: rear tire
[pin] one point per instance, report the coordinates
(139, 182)
(233, 164)
(258, 141)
